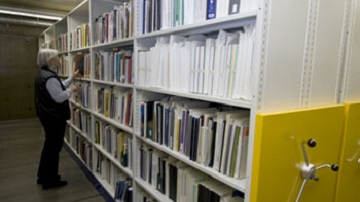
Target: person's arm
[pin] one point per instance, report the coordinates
(56, 92)
(68, 81)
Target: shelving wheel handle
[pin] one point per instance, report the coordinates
(308, 170)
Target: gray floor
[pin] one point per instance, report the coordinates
(20, 147)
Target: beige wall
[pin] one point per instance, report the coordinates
(18, 50)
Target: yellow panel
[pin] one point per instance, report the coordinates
(278, 154)
(348, 186)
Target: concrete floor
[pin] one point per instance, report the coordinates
(20, 147)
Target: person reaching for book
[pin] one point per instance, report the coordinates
(52, 108)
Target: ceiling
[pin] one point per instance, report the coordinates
(56, 8)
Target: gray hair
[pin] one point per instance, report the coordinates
(45, 55)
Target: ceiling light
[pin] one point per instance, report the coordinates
(48, 17)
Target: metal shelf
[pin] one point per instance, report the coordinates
(114, 123)
(80, 132)
(230, 102)
(113, 83)
(231, 21)
(153, 192)
(114, 44)
(77, 105)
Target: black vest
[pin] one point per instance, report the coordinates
(46, 107)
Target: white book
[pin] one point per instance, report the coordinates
(151, 62)
(180, 188)
(221, 71)
(225, 81)
(166, 62)
(219, 5)
(105, 59)
(243, 73)
(142, 68)
(189, 11)
(206, 65)
(232, 69)
(176, 42)
(209, 48)
(220, 118)
(220, 44)
(196, 70)
(211, 70)
(201, 70)
(192, 177)
(192, 68)
(231, 39)
(204, 140)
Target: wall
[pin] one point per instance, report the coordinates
(18, 51)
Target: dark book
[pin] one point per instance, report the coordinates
(149, 110)
(150, 165)
(222, 144)
(171, 128)
(188, 134)
(142, 163)
(192, 137)
(173, 182)
(211, 9)
(142, 119)
(196, 138)
(234, 7)
(167, 125)
(158, 14)
(212, 149)
(161, 177)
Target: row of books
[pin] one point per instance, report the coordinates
(83, 94)
(64, 69)
(116, 142)
(178, 181)
(123, 191)
(161, 14)
(220, 67)
(215, 137)
(82, 147)
(152, 166)
(82, 120)
(115, 66)
(80, 37)
(115, 104)
(111, 174)
(62, 43)
(116, 24)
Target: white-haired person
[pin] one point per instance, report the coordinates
(52, 108)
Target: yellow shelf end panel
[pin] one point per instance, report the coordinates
(348, 186)
(284, 142)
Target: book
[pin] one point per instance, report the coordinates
(234, 6)
(211, 9)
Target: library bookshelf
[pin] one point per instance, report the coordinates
(176, 95)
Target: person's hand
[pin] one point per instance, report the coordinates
(74, 87)
(76, 74)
